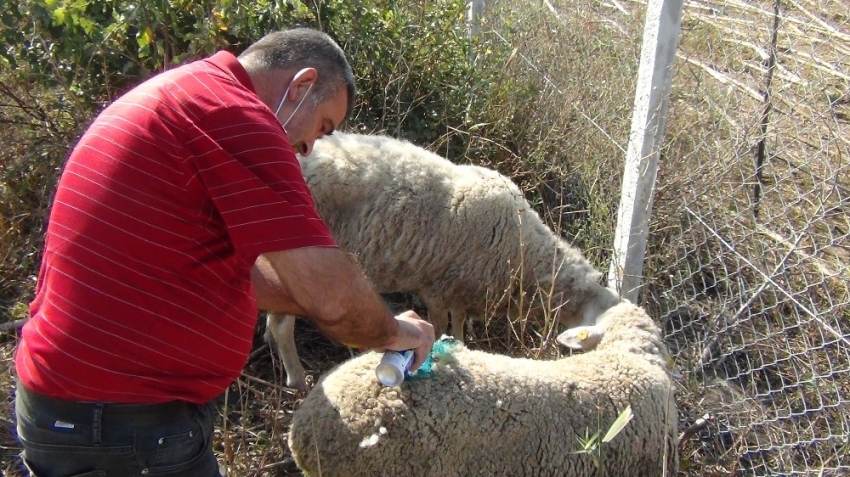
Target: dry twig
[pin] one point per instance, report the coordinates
(12, 325)
(697, 426)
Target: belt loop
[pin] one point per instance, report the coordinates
(97, 418)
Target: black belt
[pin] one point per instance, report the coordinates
(138, 414)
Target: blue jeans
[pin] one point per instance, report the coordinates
(69, 439)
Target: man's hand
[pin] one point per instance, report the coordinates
(413, 333)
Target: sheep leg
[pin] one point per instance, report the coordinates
(439, 318)
(282, 329)
(458, 320)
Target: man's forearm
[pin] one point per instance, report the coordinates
(324, 285)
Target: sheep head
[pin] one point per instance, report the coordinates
(581, 337)
(624, 326)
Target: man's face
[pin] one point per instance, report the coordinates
(312, 121)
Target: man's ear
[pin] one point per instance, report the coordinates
(301, 82)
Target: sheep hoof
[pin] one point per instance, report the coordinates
(302, 385)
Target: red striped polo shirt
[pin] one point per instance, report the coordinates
(144, 292)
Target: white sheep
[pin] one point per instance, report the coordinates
(463, 237)
(476, 413)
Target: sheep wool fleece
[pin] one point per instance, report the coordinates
(480, 414)
(458, 235)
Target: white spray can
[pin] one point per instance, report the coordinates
(394, 367)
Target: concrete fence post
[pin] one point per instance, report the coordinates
(660, 41)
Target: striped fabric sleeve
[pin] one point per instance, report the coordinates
(246, 164)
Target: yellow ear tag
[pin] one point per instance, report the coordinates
(582, 335)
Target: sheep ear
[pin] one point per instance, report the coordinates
(581, 337)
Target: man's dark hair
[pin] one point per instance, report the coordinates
(304, 48)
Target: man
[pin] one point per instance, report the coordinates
(179, 213)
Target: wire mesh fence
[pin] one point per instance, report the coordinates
(749, 246)
(749, 261)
